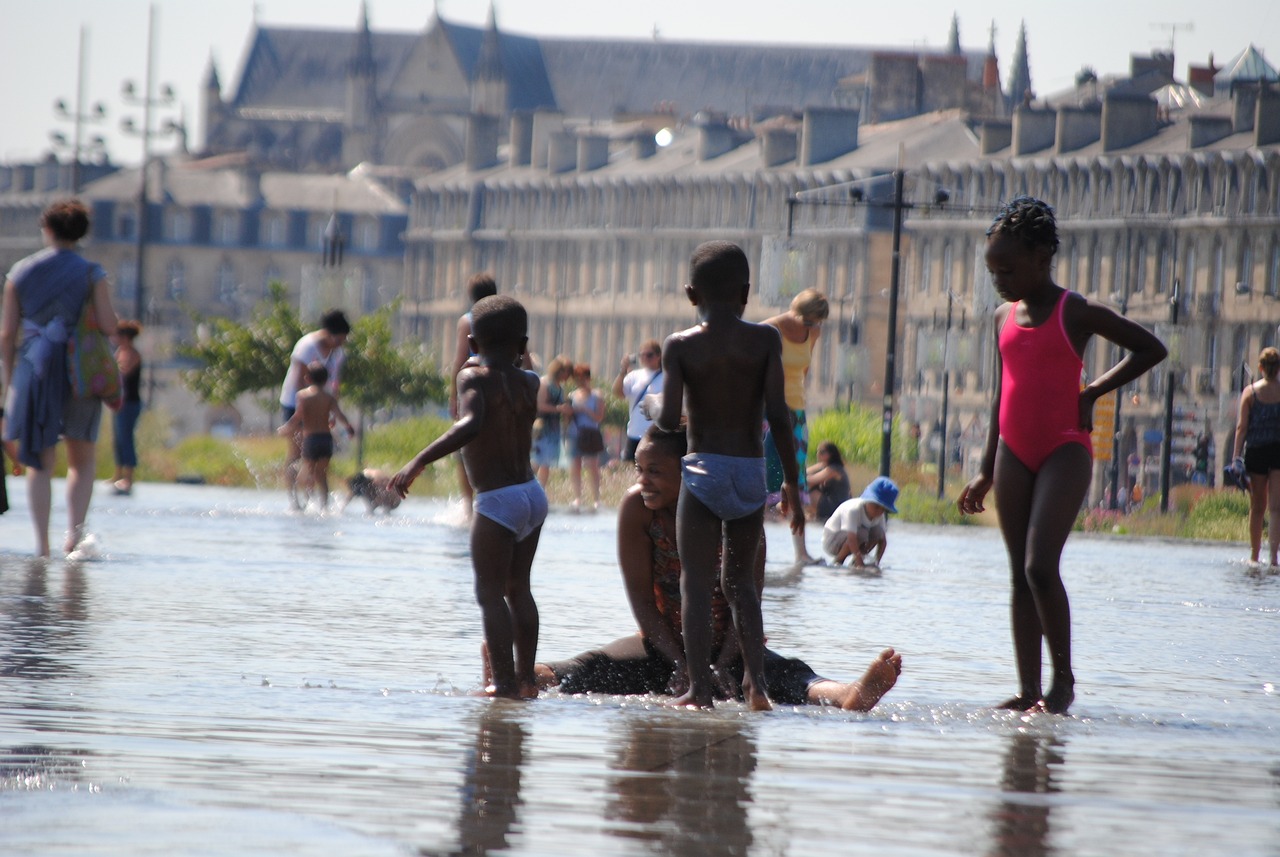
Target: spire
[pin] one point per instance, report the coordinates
(211, 80)
(953, 36)
(489, 63)
(1020, 90)
(362, 63)
(991, 65)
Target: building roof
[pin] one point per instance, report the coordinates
(1248, 65)
(219, 186)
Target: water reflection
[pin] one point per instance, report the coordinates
(491, 786)
(1021, 820)
(38, 630)
(683, 786)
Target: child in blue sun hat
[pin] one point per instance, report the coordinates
(857, 526)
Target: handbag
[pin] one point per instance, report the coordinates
(91, 365)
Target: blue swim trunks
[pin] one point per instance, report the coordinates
(520, 508)
(731, 486)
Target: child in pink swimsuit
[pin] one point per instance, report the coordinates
(1038, 454)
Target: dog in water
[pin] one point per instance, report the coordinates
(375, 487)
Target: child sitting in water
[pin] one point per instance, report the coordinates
(497, 403)
(732, 370)
(857, 526)
(316, 407)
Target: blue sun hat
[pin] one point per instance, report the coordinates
(882, 492)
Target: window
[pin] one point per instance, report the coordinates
(127, 281)
(177, 226)
(1273, 272)
(225, 227)
(176, 280)
(225, 283)
(272, 233)
(127, 225)
(366, 234)
(926, 264)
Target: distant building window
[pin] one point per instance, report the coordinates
(1273, 276)
(127, 225)
(127, 281)
(178, 226)
(225, 227)
(366, 234)
(176, 275)
(273, 230)
(225, 283)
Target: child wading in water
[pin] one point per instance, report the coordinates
(1039, 455)
(497, 403)
(311, 419)
(732, 370)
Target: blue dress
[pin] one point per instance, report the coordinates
(52, 287)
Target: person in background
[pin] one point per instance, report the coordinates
(828, 481)
(324, 345)
(1257, 452)
(125, 420)
(586, 440)
(632, 385)
(859, 526)
(317, 410)
(553, 407)
(800, 326)
(44, 296)
(481, 285)
(1039, 454)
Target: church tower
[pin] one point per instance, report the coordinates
(489, 80)
(993, 102)
(1020, 74)
(211, 107)
(359, 133)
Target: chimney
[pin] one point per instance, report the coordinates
(1266, 121)
(715, 138)
(1244, 99)
(1078, 127)
(1208, 129)
(545, 123)
(1033, 129)
(482, 142)
(562, 151)
(593, 152)
(521, 151)
(995, 135)
(827, 133)
(643, 145)
(778, 146)
(1127, 118)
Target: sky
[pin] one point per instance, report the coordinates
(39, 42)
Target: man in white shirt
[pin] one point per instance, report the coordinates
(325, 346)
(633, 385)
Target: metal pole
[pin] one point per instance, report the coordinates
(140, 254)
(946, 388)
(75, 145)
(1166, 449)
(890, 354)
(1117, 434)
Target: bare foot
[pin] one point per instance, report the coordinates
(1059, 698)
(1021, 702)
(74, 536)
(879, 678)
(757, 701)
(693, 700)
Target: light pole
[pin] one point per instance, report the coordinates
(146, 101)
(78, 117)
(946, 387)
(1166, 448)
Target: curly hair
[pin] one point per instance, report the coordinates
(1029, 220)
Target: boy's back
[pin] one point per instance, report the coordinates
(314, 406)
(504, 398)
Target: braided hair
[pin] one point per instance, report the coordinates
(1029, 220)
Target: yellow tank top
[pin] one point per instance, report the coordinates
(795, 360)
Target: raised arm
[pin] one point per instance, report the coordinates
(471, 413)
(1143, 350)
(672, 385)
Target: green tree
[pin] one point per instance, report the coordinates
(235, 359)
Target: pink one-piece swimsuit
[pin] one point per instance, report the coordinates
(1040, 388)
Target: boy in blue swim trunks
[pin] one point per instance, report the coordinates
(316, 413)
(729, 374)
(497, 403)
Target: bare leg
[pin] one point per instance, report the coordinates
(524, 614)
(291, 467)
(81, 458)
(1273, 514)
(863, 694)
(492, 548)
(40, 498)
(320, 476)
(737, 579)
(593, 464)
(1258, 483)
(1013, 484)
(575, 480)
(698, 540)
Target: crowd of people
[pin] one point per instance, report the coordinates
(691, 529)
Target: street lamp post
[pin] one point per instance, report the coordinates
(79, 117)
(146, 101)
(1166, 448)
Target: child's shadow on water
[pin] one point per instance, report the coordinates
(791, 575)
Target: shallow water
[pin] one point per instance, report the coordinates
(223, 677)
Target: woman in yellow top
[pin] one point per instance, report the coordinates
(800, 326)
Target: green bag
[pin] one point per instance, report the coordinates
(91, 364)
